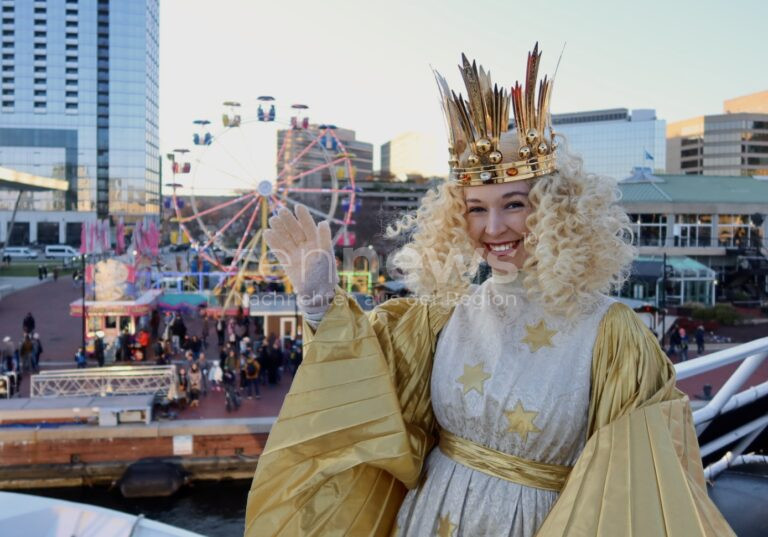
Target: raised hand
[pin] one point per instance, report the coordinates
(305, 251)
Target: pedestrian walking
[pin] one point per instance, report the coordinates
(674, 342)
(183, 386)
(215, 375)
(205, 330)
(699, 335)
(195, 384)
(252, 378)
(220, 327)
(28, 324)
(683, 345)
(37, 350)
(154, 324)
(204, 367)
(25, 352)
(80, 360)
(124, 346)
(98, 348)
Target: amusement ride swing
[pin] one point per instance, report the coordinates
(314, 170)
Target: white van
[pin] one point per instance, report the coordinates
(21, 252)
(60, 251)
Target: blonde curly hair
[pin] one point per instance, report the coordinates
(579, 241)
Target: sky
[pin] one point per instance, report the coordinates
(367, 65)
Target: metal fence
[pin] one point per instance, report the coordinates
(729, 398)
(160, 381)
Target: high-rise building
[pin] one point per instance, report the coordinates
(613, 142)
(80, 102)
(321, 153)
(414, 154)
(732, 143)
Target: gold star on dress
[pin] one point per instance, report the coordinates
(444, 527)
(473, 378)
(521, 421)
(538, 335)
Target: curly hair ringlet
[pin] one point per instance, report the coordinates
(579, 241)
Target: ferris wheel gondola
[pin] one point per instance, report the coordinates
(228, 233)
(233, 118)
(203, 136)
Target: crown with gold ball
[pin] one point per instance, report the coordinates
(482, 147)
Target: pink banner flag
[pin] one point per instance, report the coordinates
(83, 246)
(106, 236)
(154, 238)
(120, 237)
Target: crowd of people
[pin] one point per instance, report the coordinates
(247, 358)
(17, 359)
(679, 342)
(243, 360)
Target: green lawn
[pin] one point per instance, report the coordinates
(29, 268)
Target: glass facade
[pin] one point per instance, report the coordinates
(693, 230)
(696, 230)
(613, 142)
(79, 102)
(737, 231)
(725, 144)
(649, 229)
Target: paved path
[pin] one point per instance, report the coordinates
(11, 284)
(61, 335)
(49, 304)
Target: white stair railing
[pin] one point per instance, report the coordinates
(160, 381)
(729, 398)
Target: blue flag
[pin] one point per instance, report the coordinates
(648, 156)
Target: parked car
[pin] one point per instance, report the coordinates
(61, 251)
(21, 252)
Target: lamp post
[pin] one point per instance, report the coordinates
(82, 276)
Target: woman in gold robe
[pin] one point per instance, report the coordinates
(532, 404)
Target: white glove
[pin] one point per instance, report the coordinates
(305, 251)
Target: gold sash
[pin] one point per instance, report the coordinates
(503, 465)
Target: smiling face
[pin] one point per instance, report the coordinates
(496, 221)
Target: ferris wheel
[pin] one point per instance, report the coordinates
(222, 203)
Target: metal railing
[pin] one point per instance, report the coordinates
(729, 398)
(160, 381)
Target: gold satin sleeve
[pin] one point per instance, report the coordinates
(640, 472)
(355, 426)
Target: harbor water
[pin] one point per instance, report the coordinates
(210, 509)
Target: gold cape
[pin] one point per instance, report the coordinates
(357, 424)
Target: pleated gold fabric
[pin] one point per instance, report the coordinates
(503, 465)
(347, 443)
(355, 428)
(640, 472)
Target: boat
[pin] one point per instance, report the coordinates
(23, 515)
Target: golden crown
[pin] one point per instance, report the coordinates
(482, 148)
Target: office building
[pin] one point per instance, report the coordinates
(79, 103)
(732, 143)
(713, 227)
(612, 142)
(414, 154)
(322, 153)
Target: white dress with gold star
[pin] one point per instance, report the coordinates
(509, 377)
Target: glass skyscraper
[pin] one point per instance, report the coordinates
(613, 142)
(80, 102)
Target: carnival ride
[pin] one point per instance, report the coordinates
(224, 224)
